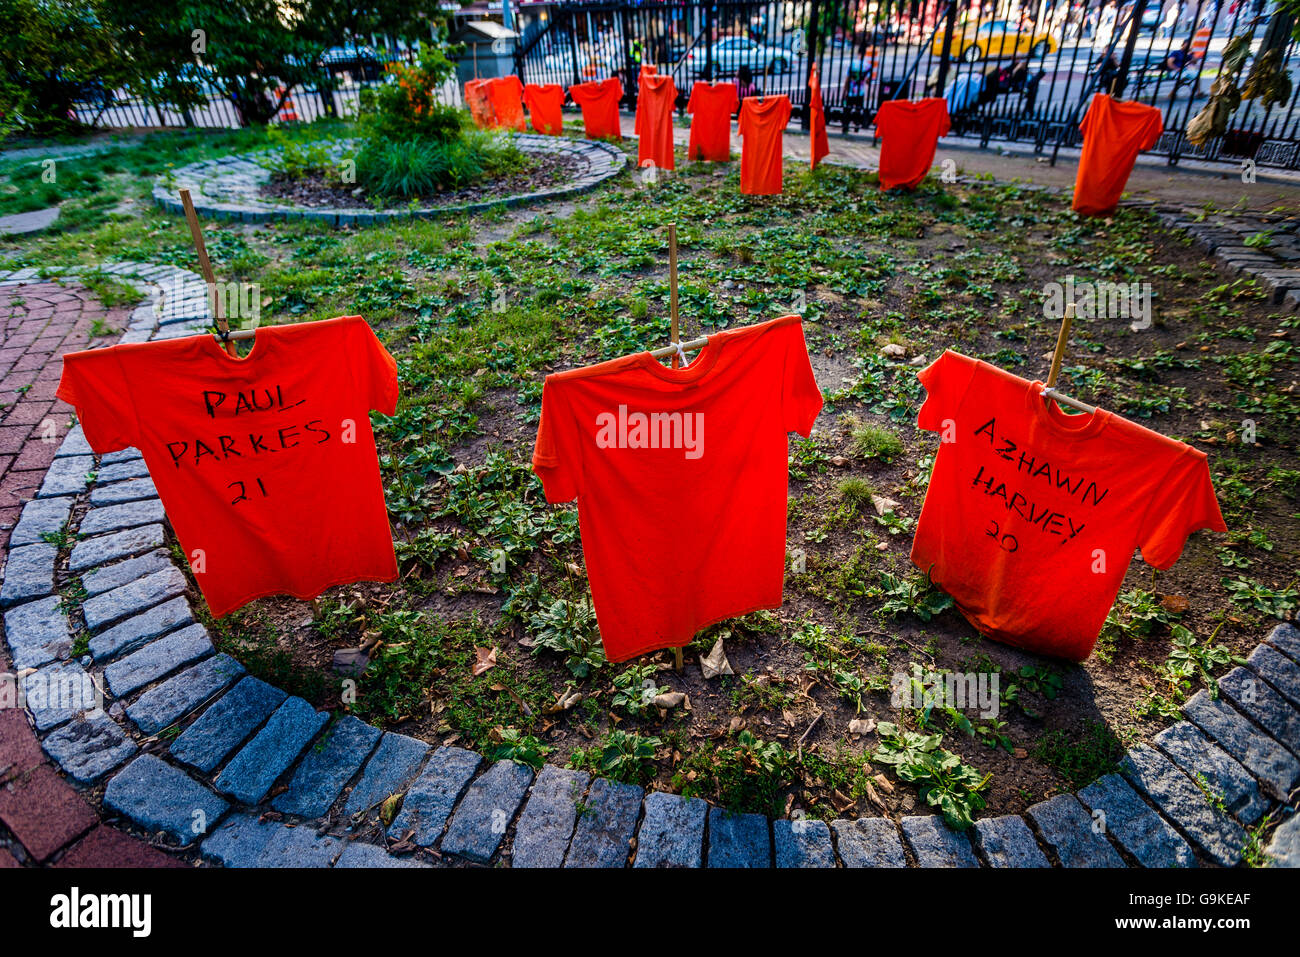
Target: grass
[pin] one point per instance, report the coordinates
(478, 310)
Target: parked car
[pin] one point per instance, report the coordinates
(360, 61)
(730, 53)
(997, 38)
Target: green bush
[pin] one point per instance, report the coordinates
(396, 169)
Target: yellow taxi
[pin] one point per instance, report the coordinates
(997, 38)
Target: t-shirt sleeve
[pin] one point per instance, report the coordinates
(557, 454)
(733, 99)
(946, 380)
(1182, 503)
(374, 368)
(945, 126)
(801, 400)
(690, 102)
(95, 384)
(1152, 133)
(785, 114)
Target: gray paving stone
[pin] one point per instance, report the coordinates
(1204, 761)
(869, 842)
(672, 831)
(480, 822)
(239, 840)
(1255, 697)
(298, 847)
(547, 820)
(130, 469)
(738, 840)
(1068, 827)
(74, 443)
(122, 455)
(58, 692)
(28, 574)
(935, 845)
(1130, 821)
(138, 629)
(156, 659)
(122, 573)
(1008, 842)
(180, 694)
(41, 517)
(1183, 803)
(67, 476)
(1286, 637)
(803, 843)
(23, 224)
(606, 825)
(432, 796)
(133, 598)
(387, 772)
(1278, 670)
(89, 747)
(1276, 768)
(327, 768)
(103, 549)
(227, 724)
(1284, 848)
(259, 764)
(37, 632)
(160, 797)
(360, 854)
(129, 491)
(114, 518)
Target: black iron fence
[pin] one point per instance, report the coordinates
(1016, 71)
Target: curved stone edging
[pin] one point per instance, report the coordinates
(229, 187)
(159, 667)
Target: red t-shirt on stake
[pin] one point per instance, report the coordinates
(821, 145)
(681, 477)
(654, 120)
(1114, 132)
(762, 124)
(266, 465)
(909, 132)
(599, 102)
(711, 106)
(1032, 515)
(507, 102)
(479, 99)
(545, 102)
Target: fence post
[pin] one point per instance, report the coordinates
(810, 54)
(573, 45)
(708, 41)
(1135, 24)
(949, 27)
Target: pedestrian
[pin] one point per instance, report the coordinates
(855, 98)
(745, 85)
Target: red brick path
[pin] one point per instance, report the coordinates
(38, 324)
(42, 816)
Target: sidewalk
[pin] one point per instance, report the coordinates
(1190, 184)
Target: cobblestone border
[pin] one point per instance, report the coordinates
(245, 748)
(229, 187)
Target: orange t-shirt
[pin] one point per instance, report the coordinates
(821, 145)
(479, 100)
(507, 95)
(266, 465)
(909, 131)
(599, 102)
(654, 120)
(762, 125)
(1032, 515)
(711, 106)
(1114, 132)
(681, 477)
(545, 102)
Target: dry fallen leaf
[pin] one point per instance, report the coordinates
(862, 726)
(882, 504)
(716, 663)
(1174, 604)
(670, 699)
(388, 810)
(486, 660)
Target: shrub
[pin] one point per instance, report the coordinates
(404, 107)
(405, 169)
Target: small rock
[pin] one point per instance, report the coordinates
(350, 662)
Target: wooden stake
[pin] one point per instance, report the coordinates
(205, 267)
(1061, 338)
(672, 286)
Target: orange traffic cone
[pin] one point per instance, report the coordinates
(287, 112)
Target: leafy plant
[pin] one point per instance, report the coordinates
(916, 594)
(1276, 602)
(635, 689)
(941, 777)
(524, 748)
(569, 629)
